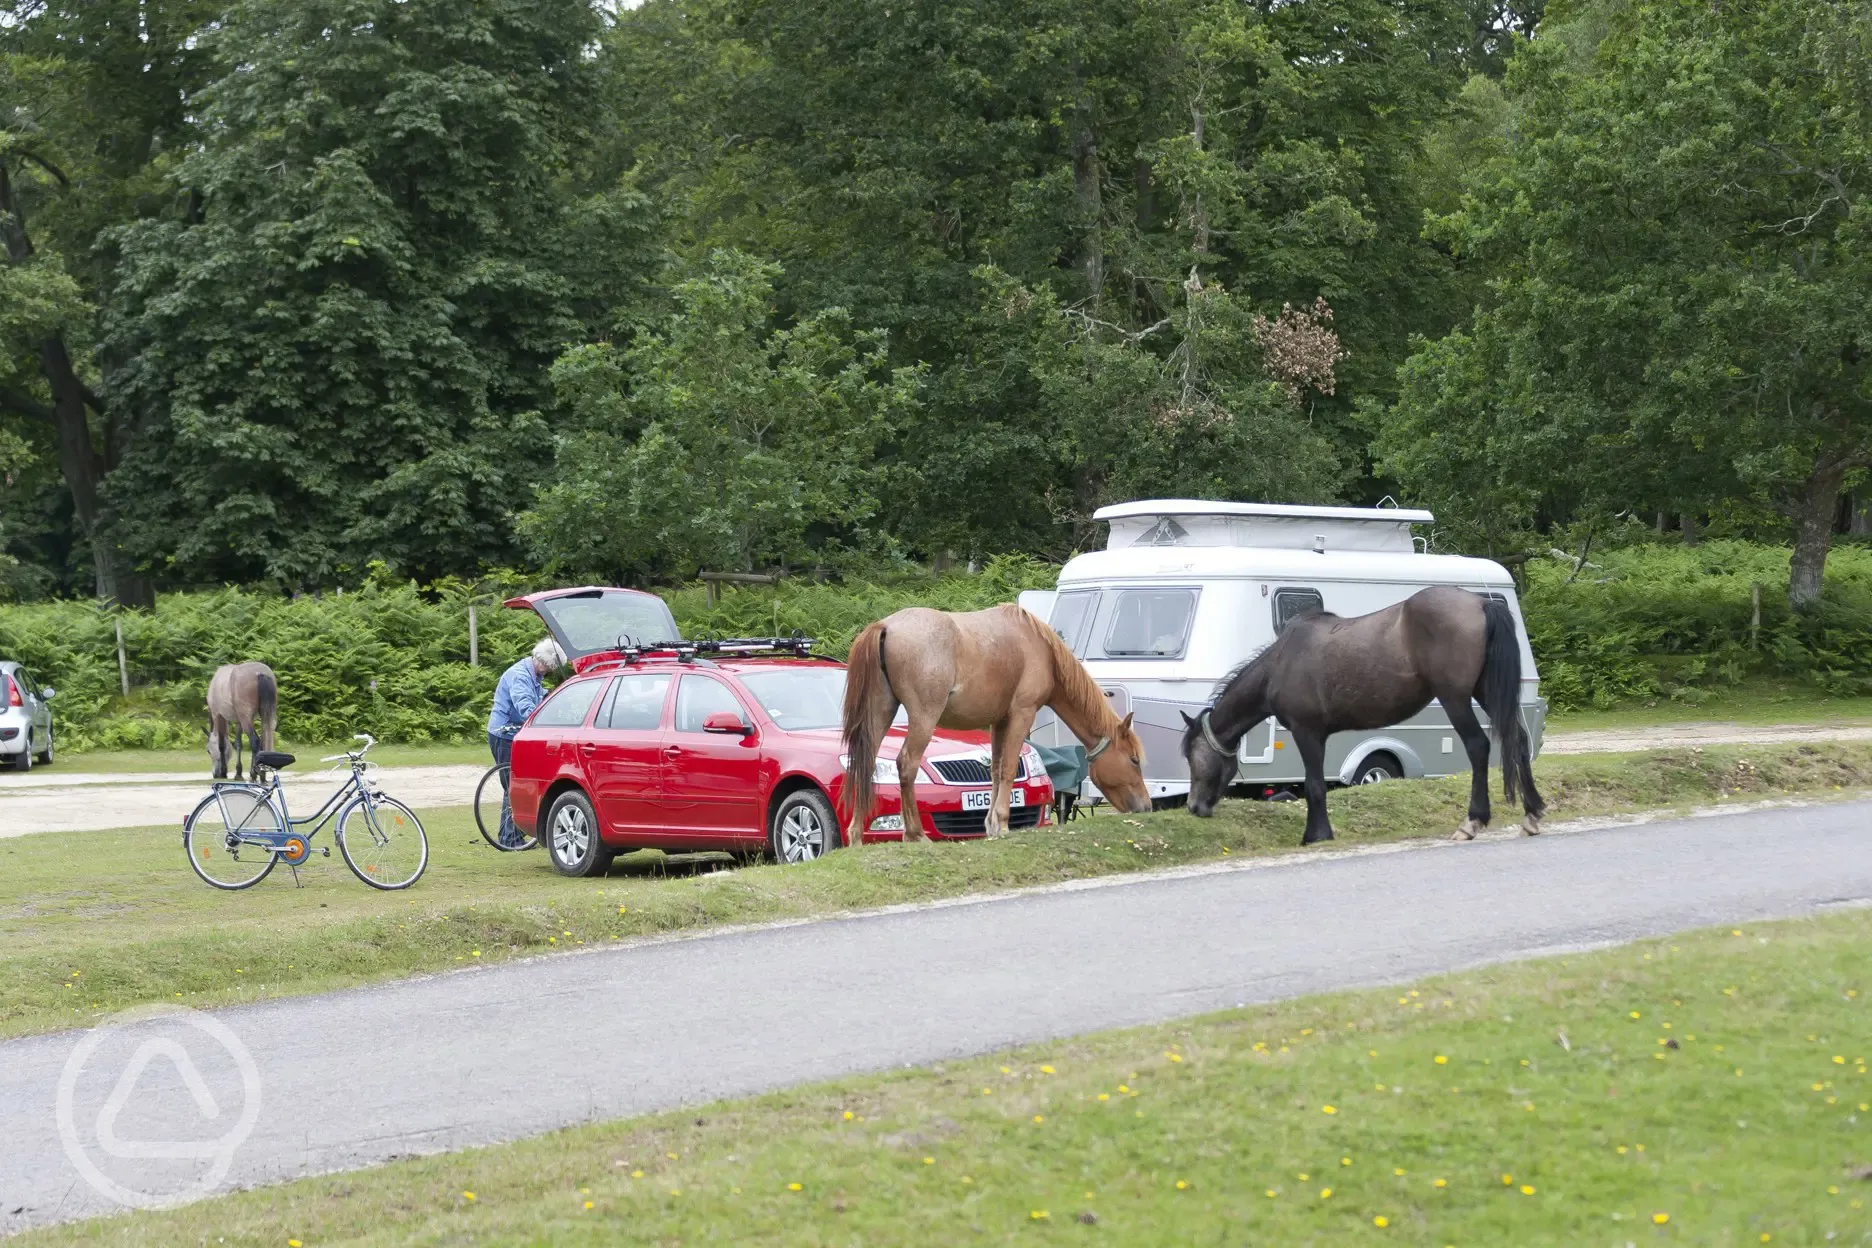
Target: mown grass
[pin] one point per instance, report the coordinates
(1755, 701)
(194, 761)
(97, 921)
(1708, 1088)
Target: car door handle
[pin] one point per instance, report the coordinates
(672, 751)
(588, 747)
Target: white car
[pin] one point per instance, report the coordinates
(25, 718)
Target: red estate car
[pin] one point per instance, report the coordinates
(715, 746)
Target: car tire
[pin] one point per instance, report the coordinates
(23, 760)
(45, 757)
(571, 837)
(1377, 769)
(802, 828)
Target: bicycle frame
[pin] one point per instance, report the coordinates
(353, 790)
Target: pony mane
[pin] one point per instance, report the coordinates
(1071, 682)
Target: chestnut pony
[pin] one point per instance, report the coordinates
(989, 669)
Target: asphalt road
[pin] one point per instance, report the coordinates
(353, 1078)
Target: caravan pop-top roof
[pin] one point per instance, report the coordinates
(1157, 538)
(1279, 526)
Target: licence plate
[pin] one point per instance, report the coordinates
(983, 799)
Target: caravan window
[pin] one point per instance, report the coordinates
(1289, 604)
(1151, 623)
(1072, 618)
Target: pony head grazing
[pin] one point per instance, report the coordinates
(1211, 764)
(1117, 768)
(217, 751)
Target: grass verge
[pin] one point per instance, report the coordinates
(1707, 1088)
(93, 922)
(1756, 701)
(195, 761)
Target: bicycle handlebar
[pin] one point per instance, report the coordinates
(353, 755)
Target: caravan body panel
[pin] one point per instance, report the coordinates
(1188, 591)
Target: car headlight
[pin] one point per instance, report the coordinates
(883, 771)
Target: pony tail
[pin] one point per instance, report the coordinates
(866, 686)
(266, 693)
(1500, 687)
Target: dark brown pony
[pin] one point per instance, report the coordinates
(242, 697)
(1325, 674)
(989, 669)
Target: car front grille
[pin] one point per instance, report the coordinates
(975, 822)
(962, 770)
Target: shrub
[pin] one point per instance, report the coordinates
(392, 660)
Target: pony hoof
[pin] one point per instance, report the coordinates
(1468, 830)
(1530, 826)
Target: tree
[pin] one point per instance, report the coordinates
(1678, 238)
(338, 352)
(716, 440)
(92, 107)
(883, 154)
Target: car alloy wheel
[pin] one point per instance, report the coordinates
(804, 827)
(572, 840)
(571, 833)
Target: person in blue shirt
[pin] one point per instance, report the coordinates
(519, 691)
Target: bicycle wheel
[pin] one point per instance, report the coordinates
(230, 837)
(492, 812)
(383, 842)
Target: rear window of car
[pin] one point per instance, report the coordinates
(1150, 623)
(567, 706)
(636, 702)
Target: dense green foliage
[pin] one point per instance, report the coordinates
(1677, 621)
(1641, 622)
(388, 659)
(420, 283)
(293, 287)
(1679, 240)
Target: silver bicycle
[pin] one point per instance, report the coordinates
(242, 830)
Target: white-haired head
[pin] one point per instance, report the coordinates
(547, 656)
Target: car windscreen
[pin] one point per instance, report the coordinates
(588, 623)
(799, 698)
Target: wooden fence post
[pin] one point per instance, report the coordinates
(474, 638)
(1754, 614)
(123, 664)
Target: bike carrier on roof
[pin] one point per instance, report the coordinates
(725, 647)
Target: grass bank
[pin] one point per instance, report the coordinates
(1708, 1088)
(1755, 701)
(96, 921)
(193, 760)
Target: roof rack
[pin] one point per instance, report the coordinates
(733, 647)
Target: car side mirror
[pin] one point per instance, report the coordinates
(728, 722)
(47, 693)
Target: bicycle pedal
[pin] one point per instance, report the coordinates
(326, 850)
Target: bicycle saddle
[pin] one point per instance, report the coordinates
(272, 760)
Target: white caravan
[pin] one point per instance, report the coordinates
(1185, 591)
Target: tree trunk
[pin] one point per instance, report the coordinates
(79, 461)
(1813, 531)
(1859, 517)
(1691, 532)
(1199, 215)
(1090, 205)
